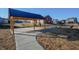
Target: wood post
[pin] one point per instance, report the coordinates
(44, 25)
(34, 24)
(39, 23)
(11, 25)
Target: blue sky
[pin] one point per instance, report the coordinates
(56, 13)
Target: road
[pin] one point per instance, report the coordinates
(27, 42)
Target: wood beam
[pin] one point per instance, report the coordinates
(22, 18)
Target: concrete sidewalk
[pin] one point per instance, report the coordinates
(26, 41)
(26, 38)
(23, 30)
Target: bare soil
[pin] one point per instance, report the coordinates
(7, 40)
(58, 42)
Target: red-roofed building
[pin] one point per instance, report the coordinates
(48, 20)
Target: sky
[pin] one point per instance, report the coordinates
(55, 13)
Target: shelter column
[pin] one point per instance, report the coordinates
(11, 25)
(34, 24)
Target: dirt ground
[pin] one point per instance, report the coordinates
(54, 42)
(7, 41)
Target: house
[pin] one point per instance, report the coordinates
(48, 19)
(55, 21)
(3, 20)
(0, 20)
(63, 21)
(71, 20)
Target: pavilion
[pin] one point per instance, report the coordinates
(21, 15)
